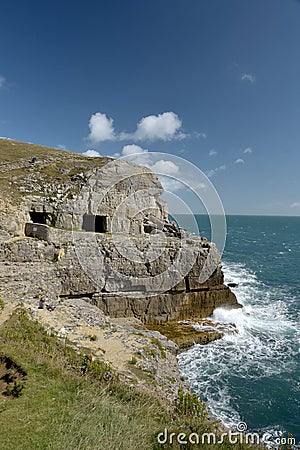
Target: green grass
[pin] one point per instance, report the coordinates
(160, 346)
(71, 402)
(51, 164)
(12, 151)
(2, 305)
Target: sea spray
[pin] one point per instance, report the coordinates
(249, 376)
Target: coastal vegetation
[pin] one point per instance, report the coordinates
(71, 400)
(86, 373)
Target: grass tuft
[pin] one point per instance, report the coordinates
(70, 400)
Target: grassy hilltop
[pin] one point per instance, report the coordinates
(12, 151)
(17, 172)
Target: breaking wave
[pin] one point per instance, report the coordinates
(248, 376)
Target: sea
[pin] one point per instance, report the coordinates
(253, 376)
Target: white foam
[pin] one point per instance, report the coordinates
(262, 347)
(236, 316)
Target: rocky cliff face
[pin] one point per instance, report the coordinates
(137, 265)
(50, 266)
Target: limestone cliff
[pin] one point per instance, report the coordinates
(136, 263)
(92, 236)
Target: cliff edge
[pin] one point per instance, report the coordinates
(98, 229)
(90, 237)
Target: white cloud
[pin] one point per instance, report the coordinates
(165, 127)
(93, 153)
(200, 135)
(199, 185)
(295, 205)
(176, 183)
(239, 161)
(101, 128)
(172, 173)
(173, 177)
(212, 152)
(132, 149)
(180, 136)
(161, 127)
(138, 154)
(165, 167)
(2, 81)
(248, 77)
(170, 184)
(212, 172)
(248, 150)
(61, 147)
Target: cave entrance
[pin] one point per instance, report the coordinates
(39, 217)
(98, 224)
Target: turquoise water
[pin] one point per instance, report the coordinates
(254, 376)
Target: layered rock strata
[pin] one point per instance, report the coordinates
(49, 265)
(140, 265)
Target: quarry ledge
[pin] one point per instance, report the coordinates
(45, 195)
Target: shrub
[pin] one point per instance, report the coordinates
(2, 304)
(190, 405)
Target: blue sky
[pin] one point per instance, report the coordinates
(215, 82)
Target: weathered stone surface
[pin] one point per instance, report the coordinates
(186, 333)
(168, 306)
(134, 277)
(66, 186)
(144, 270)
(121, 287)
(165, 274)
